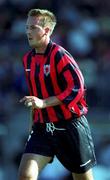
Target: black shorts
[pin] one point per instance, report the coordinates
(70, 141)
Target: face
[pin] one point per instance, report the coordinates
(35, 33)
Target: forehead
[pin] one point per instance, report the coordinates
(32, 20)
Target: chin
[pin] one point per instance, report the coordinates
(32, 45)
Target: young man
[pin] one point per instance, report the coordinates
(57, 100)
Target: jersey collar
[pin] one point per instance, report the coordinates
(46, 51)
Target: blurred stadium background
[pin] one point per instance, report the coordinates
(84, 30)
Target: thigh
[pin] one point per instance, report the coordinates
(32, 164)
(37, 153)
(39, 142)
(84, 176)
(75, 148)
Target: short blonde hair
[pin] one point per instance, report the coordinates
(47, 17)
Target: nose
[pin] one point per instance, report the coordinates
(28, 33)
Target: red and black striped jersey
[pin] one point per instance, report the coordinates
(55, 73)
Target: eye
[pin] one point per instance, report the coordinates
(32, 27)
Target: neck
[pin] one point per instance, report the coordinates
(43, 46)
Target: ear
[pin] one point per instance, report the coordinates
(47, 30)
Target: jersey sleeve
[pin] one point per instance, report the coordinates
(69, 71)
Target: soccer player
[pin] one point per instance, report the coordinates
(57, 101)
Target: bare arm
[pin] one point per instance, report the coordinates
(40, 103)
(51, 101)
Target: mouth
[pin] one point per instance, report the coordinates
(30, 39)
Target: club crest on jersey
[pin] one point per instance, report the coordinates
(46, 69)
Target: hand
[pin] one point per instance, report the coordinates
(32, 101)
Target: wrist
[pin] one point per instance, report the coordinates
(44, 105)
